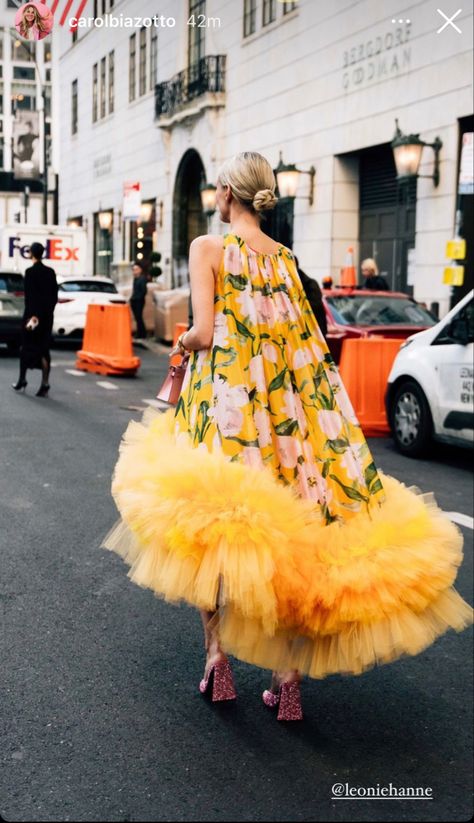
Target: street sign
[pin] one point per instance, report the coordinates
(456, 249)
(466, 168)
(131, 201)
(453, 276)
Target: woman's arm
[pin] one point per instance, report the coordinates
(202, 255)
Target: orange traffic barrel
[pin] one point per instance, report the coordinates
(179, 328)
(107, 346)
(364, 368)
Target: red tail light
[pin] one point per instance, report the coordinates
(19, 293)
(66, 300)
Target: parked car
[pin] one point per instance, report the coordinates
(363, 313)
(12, 305)
(430, 387)
(74, 296)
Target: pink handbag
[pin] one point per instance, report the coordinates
(171, 388)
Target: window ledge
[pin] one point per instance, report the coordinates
(197, 107)
(270, 27)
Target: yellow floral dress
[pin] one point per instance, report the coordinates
(258, 494)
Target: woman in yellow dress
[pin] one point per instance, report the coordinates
(257, 499)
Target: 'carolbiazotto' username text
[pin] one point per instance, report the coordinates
(119, 21)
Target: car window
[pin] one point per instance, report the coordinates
(88, 285)
(467, 314)
(380, 310)
(11, 282)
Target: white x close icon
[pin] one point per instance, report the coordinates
(449, 21)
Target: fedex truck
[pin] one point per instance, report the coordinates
(65, 247)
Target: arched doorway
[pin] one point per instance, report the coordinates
(189, 220)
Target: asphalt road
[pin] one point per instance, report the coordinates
(101, 718)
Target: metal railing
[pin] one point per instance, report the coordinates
(208, 75)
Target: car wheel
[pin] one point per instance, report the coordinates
(410, 419)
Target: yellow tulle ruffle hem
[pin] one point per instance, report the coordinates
(293, 592)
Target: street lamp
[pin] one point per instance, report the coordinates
(105, 219)
(208, 198)
(288, 176)
(407, 151)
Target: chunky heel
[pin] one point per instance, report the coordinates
(290, 702)
(221, 678)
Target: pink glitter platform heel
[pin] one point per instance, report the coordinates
(288, 701)
(222, 681)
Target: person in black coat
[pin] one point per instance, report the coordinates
(137, 299)
(315, 297)
(372, 279)
(41, 296)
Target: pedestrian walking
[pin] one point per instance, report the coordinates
(315, 296)
(257, 499)
(41, 296)
(372, 279)
(137, 299)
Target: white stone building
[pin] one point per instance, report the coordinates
(322, 83)
(26, 69)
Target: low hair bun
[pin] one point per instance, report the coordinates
(264, 199)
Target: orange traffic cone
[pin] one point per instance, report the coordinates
(348, 273)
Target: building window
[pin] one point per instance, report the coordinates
(74, 34)
(22, 51)
(48, 52)
(103, 99)
(94, 93)
(196, 32)
(287, 7)
(111, 81)
(23, 73)
(103, 248)
(142, 63)
(1, 144)
(269, 12)
(74, 107)
(250, 17)
(132, 68)
(153, 59)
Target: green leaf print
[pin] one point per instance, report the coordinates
(243, 330)
(243, 442)
(278, 381)
(180, 407)
(205, 422)
(369, 474)
(339, 445)
(305, 335)
(376, 486)
(238, 281)
(353, 494)
(327, 466)
(324, 401)
(287, 428)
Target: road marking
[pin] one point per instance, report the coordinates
(461, 519)
(104, 384)
(75, 372)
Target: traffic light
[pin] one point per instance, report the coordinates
(155, 270)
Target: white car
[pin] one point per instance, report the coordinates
(430, 387)
(74, 296)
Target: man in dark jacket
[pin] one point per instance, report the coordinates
(315, 298)
(41, 296)
(137, 300)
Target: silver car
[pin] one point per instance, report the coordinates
(12, 306)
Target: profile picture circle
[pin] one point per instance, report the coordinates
(33, 21)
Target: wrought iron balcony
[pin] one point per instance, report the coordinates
(208, 75)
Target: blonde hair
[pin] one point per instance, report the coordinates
(369, 263)
(251, 180)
